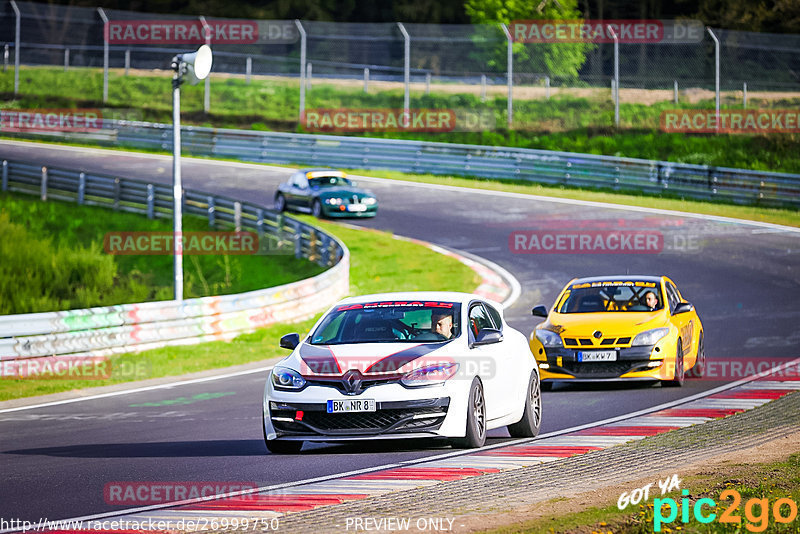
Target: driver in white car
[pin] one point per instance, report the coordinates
(442, 324)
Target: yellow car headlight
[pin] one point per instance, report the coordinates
(649, 337)
(549, 339)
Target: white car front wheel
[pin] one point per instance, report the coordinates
(476, 419)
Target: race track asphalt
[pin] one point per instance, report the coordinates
(56, 461)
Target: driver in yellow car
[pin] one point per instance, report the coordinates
(651, 300)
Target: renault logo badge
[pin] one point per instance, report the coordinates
(351, 381)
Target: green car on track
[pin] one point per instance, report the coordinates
(325, 193)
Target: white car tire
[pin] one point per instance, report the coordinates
(476, 418)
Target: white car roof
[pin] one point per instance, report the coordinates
(448, 296)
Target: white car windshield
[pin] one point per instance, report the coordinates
(627, 296)
(389, 322)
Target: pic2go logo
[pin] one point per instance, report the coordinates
(756, 511)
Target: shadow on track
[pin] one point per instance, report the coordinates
(240, 447)
(160, 449)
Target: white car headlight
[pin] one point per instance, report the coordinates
(431, 375)
(548, 338)
(284, 378)
(369, 201)
(649, 337)
(334, 201)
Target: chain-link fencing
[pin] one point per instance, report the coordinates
(547, 85)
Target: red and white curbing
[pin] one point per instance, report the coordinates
(267, 503)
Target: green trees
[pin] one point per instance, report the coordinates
(556, 60)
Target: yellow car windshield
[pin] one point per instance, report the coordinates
(616, 297)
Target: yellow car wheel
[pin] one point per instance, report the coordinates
(680, 374)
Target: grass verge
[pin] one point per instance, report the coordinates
(378, 263)
(63, 264)
(767, 482)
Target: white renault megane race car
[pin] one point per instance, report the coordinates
(403, 365)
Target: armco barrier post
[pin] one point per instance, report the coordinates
(117, 192)
(5, 175)
(66, 59)
(248, 69)
(151, 199)
(127, 61)
(44, 183)
(81, 187)
(211, 212)
(237, 216)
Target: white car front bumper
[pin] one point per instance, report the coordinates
(401, 412)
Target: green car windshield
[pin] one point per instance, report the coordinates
(328, 181)
(611, 297)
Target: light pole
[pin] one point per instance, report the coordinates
(195, 66)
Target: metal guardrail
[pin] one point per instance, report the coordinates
(117, 329)
(700, 182)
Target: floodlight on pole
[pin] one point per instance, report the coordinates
(194, 67)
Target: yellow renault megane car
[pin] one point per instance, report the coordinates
(618, 328)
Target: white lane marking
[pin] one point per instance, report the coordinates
(476, 250)
(452, 188)
(484, 462)
(582, 441)
(747, 404)
(647, 420)
(773, 384)
(138, 390)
